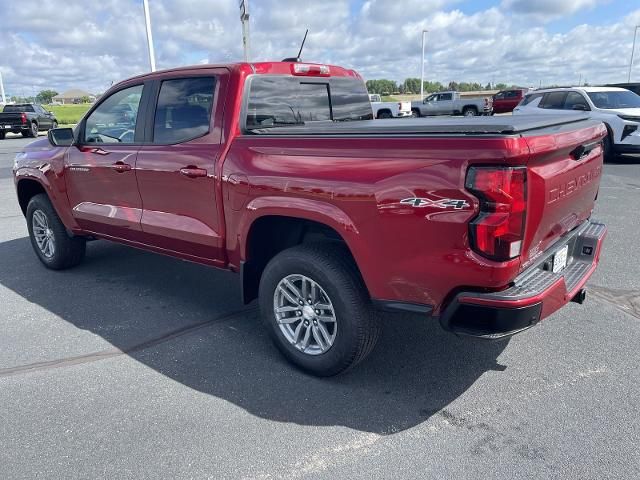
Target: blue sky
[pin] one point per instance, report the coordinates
(62, 44)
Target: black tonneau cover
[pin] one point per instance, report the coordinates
(496, 125)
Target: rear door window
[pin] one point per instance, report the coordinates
(184, 108)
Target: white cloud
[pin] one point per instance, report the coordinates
(63, 44)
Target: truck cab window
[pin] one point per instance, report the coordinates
(114, 120)
(275, 101)
(184, 109)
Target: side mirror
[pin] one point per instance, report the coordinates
(61, 137)
(581, 106)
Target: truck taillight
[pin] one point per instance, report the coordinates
(310, 69)
(23, 117)
(498, 230)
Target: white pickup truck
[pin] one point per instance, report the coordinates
(450, 103)
(389, 109)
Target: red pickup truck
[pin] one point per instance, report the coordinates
(276, 171)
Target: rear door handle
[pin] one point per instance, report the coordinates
(193, 172)
(121, 167)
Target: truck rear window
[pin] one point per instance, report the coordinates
(282, 100)
(18, 108)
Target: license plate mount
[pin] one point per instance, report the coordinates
(560, 259)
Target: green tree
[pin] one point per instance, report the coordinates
(86, 99)
(382, 87)
(46, 96)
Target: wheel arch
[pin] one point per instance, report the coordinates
(27, 188)
(271, 230)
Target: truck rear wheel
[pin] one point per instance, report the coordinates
(49, 238)
(415, 112)
(316, 309)
(32, 132)
(469, 112)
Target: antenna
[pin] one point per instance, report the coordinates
(297, 59)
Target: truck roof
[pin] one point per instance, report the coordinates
(263, 68)
(503, 125)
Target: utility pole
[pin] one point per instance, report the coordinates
(4, 99)
(580, 80)
(422, 61)
(635, 33)
(147, 19)
(244, 18)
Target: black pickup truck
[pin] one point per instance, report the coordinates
(26, 118)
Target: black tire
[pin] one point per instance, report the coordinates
(2, 135)
(385, 114)
(68, 251)
(26, 133)
(608, 154)
(415, 113)
(469, 112)
(357, 326)
(33, 131)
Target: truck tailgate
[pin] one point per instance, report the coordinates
(563, 179)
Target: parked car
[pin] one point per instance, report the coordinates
(506, 100)
(618, 108)
(389, 109)
(450, 103)
(634, 87)
(278, 171)
(26, 118)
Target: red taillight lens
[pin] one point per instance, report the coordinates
(498, 230)
(23, 117)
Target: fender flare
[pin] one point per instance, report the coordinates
(58, 199)
(301, 208)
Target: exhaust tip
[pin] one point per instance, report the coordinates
(580, 296)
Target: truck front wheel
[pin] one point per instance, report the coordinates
(316, 309)
(49, 238)
(608, 148)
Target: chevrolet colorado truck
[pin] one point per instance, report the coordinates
(277, 171)
(451, 103)
(27, 119)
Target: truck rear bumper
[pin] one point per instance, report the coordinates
(535, 294)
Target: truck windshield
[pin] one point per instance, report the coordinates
(281, 100)
(17, 108)
(615, 99)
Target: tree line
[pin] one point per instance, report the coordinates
(412, 85)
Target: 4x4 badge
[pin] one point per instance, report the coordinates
(442, 203)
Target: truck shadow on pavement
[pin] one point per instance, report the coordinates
(146, 304)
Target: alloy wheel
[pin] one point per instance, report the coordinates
(43, 234)
(305, 315)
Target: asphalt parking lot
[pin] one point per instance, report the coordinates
(138, 366)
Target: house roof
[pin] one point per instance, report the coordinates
(73, 93)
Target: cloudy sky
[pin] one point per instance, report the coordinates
(63, 44)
